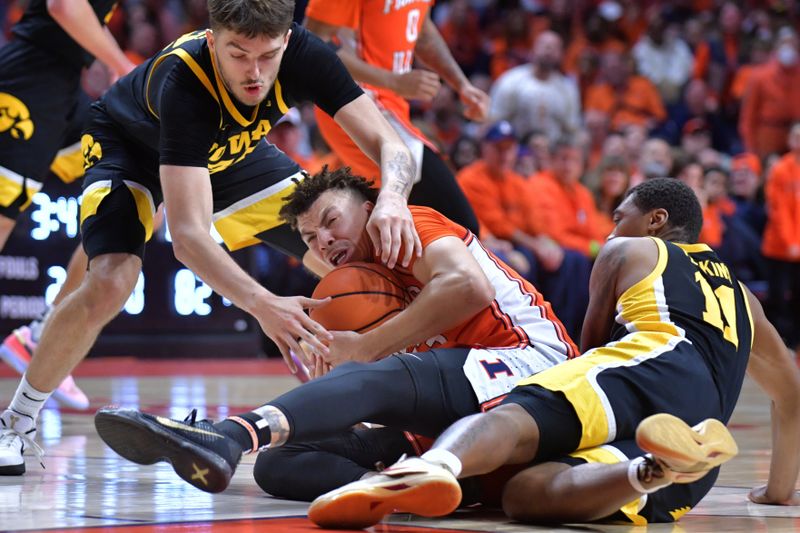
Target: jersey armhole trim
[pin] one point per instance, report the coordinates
(191, 63)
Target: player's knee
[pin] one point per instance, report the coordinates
(276, 474)
(105, 291)
(537, 494)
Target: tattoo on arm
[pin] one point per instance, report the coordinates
(401, 174)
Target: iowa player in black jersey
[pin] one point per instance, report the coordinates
(40, 102)
(187, 128)
(634, 428)
(40, 72)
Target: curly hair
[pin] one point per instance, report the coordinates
(312, 187)
(677, 198)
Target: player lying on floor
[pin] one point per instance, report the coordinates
(481, 325)
(669, 330)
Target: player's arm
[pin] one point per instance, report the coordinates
(455, 289)
(79, 20)
(773, 368)
(417, 84)
(188, 201)
(390, 224)
(432, 49)
(621, 263)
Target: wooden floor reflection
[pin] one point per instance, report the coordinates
(86, 485)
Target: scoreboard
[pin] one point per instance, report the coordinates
(171, 312)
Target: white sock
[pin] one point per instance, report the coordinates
(633, 477)
(444, 458)
(27, 400)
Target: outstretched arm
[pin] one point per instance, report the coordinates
(78, 19)
(774, 369)
(188, 201)
(416, 84)
(434, 52)
(390, 224)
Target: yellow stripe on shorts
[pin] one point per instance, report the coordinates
(239, 224)
(94, 194)
(11, 185)
(68, 163)
(577, 380)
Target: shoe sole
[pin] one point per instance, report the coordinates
(145, 442)
(698, 449)
(12, 470)
(361, 508)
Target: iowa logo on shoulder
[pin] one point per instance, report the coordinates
(15, 117)
(91, 150)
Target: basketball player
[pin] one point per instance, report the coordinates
(683, 331)
(187, 127)
(40, 102)
(388, 34)
(480, 325)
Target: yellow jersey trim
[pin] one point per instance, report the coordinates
(191, 63)
(654, 274)
(749, 313)
(693, 248)
(282, 107)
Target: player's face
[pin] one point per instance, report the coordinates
(629, 221)
(248, 66)
(334, 228)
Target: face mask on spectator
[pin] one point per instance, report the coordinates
(787, 55)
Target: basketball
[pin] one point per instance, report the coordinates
(363, 296)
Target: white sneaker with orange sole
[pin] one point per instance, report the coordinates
(409, 486)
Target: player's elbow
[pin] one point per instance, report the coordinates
(472, 289)
(184, 243)
(57, 8)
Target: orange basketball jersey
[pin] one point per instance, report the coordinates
(387, 32)
(518, 317)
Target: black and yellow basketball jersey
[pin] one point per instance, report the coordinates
(177, 104)
(692, 294)
(39, 28)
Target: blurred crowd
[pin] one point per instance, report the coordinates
(589, 98)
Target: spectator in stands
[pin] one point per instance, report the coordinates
(664, 58)
(609, 183)
(597, 131)
(782, 240)
(507, 210)
(699, 104)
(537, 95)
(695, 137)
(462, 33)
(655, 161)
(770, 104)
(567, 206)
(539, 145)
(746, 191)
(464, 152)
(288, 135)
(512, 47)
(626, 98)
(718, 57)
(736, 243)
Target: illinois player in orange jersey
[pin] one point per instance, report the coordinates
(388, 34)
(480, 325)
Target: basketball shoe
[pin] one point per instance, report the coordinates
(685, 454)
(17, 350)
(411, 485)
(15, 438)
(198, 453)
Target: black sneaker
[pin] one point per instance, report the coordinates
(198, 453)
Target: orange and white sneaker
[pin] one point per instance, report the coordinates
(17, 350)
(409, 486)
(684, 453)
